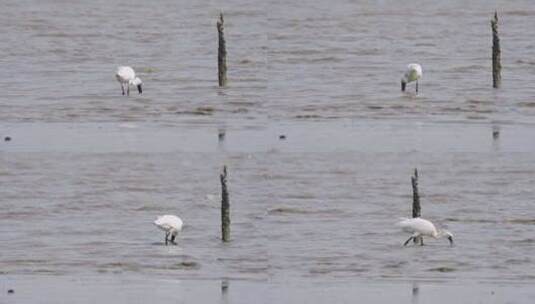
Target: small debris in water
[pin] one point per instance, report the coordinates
(282, 137)
(198, 111)
(221, 134)
(205, 110)
(11, 291)
(186, 265)
(495, 132)
(149, 70)
(7, 138)
(443, 269)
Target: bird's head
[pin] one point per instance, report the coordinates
(403, 83)
(137, 82)
(448, 235)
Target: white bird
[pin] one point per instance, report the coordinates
(412, 73)
(171, 224)
(126, 77)
(420, 227)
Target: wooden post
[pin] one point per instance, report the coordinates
(221, 54)
(416, 210)
(225, 207)
(496, 53)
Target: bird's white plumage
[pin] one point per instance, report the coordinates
(169, 223)
(126, 76)
(412, 73)
(418, 225)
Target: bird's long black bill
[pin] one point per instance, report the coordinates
(139, 89)
(403, 85)
(451, 240)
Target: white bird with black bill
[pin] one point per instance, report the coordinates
(127, 77)
(421, 227)
(171, 224)
(413, 72)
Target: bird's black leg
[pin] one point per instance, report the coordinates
(128, 90)
(122, 88)
(416, 86)
(173, 239)
(421, 241)
(166, 235)
(407, 241)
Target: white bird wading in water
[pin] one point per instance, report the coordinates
(412, 73)
(171, 224)
(420, 227)
(126, 77)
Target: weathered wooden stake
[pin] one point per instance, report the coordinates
(416, 210)
(496, 53)
(225, 207)
(221, 54)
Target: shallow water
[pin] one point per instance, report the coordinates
(138, 290)
(87, 170)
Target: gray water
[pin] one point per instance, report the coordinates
(88, 170)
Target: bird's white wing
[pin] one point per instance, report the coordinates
(125, 73)
(167, 222)
(418, 225)
(163, 226)
(405, 224)
(413, 72)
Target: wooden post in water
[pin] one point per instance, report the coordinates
(416, 210)
(221, 54)
(225, 207)
(496, 53)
